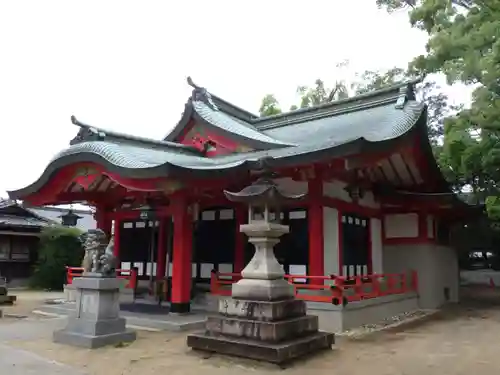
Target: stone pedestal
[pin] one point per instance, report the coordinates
(262, 320)
(96, 321)
(5, 298)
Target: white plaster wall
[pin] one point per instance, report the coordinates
(331, 240)
(437, 268)
(335, 189)
(401, 225)
(376, 239)
(291, 186)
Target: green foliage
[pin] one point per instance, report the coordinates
(464, 45)
(308, 96)
(59, 247)
(269, 106)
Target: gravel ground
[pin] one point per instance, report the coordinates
(458, 341)
(27, 301)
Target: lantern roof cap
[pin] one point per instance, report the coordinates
(264, 190)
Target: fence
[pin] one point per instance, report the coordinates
(334, 289)
(129, 275)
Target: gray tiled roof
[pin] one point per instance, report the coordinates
(373, 125)
(132, 156)
(309, 135)
(235, 126)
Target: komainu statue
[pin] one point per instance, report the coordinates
(98, 258)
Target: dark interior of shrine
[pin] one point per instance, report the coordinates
(214, 238)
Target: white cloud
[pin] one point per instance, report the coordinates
(122, 64)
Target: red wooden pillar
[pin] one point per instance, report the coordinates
(162, 252)
(239, 247)
(340, 241)
(422, 226)
(103, 220)
(315, 221)
(182, 257)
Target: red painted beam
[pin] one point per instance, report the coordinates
(344, 206)
(160, 212)
(48, 194)
(57, 183)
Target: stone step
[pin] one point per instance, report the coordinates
(275, 353)
(276, 331)
(261, 310)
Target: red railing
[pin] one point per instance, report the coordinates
(129, 275)
(334, 289)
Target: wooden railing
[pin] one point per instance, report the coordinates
(129, 275)
(333, 289)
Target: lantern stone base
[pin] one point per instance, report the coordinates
(262, 290)
(96, 321)
(272, 331)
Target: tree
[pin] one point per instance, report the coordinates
(269, 106)
(59, 247)
(464, 45)
(309, 96)
(319, 94)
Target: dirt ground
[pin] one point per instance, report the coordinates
(27, 302)
(458, 341)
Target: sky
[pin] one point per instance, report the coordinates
(122, 65)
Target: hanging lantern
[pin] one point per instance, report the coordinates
(147, 212)
(70, 219)
(355, 192)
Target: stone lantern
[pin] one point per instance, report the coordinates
(263, 277)
(262, 319)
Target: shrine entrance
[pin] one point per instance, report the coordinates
(139, 246)
(214, 242)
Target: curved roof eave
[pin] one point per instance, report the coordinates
(181, 125)
(220, 167)
(426, 148)
(193, 166)
(167, 169)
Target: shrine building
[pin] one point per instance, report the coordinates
(376, 205)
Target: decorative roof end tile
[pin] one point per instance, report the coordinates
(201, 94)
(406, 93)
(86, 133)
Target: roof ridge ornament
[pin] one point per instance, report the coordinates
(86, 133)
(200, 94)
(406, 93)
